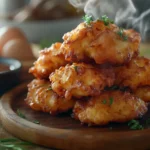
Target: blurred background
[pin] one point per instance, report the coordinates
(39, 19)
(27, 26)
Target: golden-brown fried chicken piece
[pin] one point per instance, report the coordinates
(135, 74)
(143, 93)
(104, 44)
(110, 106)
(41, 97)
(49, 60)
(81, 79)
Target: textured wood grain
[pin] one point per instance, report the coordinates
(63, 132)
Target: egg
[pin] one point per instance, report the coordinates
(9, 33)
(18, 49)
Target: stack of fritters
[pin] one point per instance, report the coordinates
(96, 71)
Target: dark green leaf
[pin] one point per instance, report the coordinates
(135, 125)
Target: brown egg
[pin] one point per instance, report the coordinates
(9, 33)
(17, 48)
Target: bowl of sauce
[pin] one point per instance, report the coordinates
(9, 73)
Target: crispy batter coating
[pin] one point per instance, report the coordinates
(143, 93)
(135, 74)
(41, 97)
(104, 44)
(49, 60)
(110, 106)
(81, 79)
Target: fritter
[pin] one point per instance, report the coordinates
(135, 74)
(41, 97)
(49, 60)
(110, 106)
(101, 43)
(143, 93)
(80, 80)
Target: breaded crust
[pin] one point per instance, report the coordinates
(50, 59)
(110, 106)
(135, 74)
(143, 93)
(79, 79)
(101, 43)
(41, 97)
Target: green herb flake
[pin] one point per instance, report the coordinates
(135, 125)
(76, 68)
(122, 35)
(111, 100)
(20, 114)
(104, 101)
(106, 20)
(49, 89)
(87, 19)
(36, 122)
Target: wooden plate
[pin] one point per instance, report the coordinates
(63, 132)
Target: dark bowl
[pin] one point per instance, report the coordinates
(10, 74)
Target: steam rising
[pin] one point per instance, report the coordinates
(123, 12)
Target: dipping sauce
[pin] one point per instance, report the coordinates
(4, 67)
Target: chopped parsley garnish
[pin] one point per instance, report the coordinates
(122, 35)
(13, 144)
(111, 100)
(76, 68)
(36, 122)
(135, 125)
(49, 89)
(87, 19)
(106, 20)
(104, 101)
(20, 114)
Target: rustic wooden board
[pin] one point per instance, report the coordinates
(63, 132)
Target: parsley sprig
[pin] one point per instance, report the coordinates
(122, 35)
(87, 19)
(106, 20)
(135, 125)
(13, 144)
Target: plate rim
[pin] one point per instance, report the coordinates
(65, 137)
